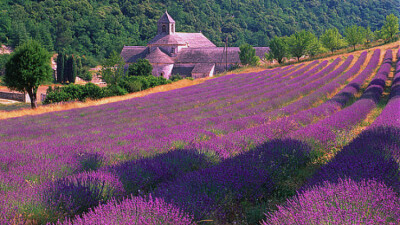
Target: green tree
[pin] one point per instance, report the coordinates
(112, 70)
(74, 70)
(68, 69)
(142, 67)
(368, 36)
(332, 39)
(60, 67)
(278, 49)
(247, 55)
(81, 71)
(299, 43)
(378, 35)
(315, 47)
(354, 35)
(391, 27)
(28, 67)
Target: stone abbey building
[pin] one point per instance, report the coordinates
(186, 54)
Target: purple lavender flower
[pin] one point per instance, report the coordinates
(133, 210)
(77, 194)
(345, 202)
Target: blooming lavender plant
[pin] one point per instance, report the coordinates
(133, 210)
(324, 131)
(142, 176)
(76, 195)
(216, 192)
(390, 116)
(345, 202)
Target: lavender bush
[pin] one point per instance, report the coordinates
(76, 195)
(133, 210)
(345, 202)
(324, 131)
(216, 192)
(134, 142)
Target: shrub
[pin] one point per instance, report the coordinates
(141, 68)
(156, 81)
(114, 90)
(77, 194)
(73, 92)
(93, 91)
(133, 84)
(134, 210)
(86, 76)
(347, 202)
(175, 77)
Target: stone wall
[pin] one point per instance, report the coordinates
(162, 70)
(20, 97)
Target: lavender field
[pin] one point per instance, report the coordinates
(314, 143)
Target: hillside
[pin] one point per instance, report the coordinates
(95, 28)
(224, 151)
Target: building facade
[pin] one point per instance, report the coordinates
(186, 54)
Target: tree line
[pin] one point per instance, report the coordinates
(96, 28)
(306, 43)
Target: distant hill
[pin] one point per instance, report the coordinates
(95, 28)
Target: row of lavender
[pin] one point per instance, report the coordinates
(205, 191)
(33, 156)
(39, 158)
(245, 138)
(361, 185)
(211, 192)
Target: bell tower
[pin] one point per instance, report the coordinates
(166, 25)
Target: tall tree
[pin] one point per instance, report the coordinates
(278, 49)
(315, 47)
(68, 69)
(391, 27)
(354, 35)
(299, 43)
(112, 70)
(74, 70)
(142, 67)
(60, 67)
(332, 39)
(368, 36)
(248, 55)
(28, 67)
(80, 67)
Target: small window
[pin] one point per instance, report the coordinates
(162, 74)
(164, 28)
(172, 28)
(173, 50)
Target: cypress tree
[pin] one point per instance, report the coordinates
(60, 67)
(74, 70)
(68, 69)
(80, 68)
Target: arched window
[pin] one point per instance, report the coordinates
(172, 28)
(164, 28)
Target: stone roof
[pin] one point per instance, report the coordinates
(193, 40)
(158, 56)
(185, 71)
(203, 68)
(187, 55)
(214, 55)
(166, 18)
(167, 39)
(132, 53)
